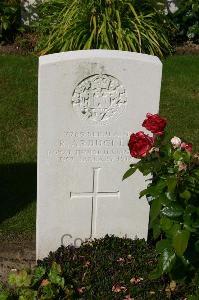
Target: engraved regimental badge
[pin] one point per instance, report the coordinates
(99, 98)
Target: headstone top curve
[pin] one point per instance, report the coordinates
(98, 53)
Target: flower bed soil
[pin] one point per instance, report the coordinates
(11, 49)
(188, 48)
(16, 252)
(14, 48)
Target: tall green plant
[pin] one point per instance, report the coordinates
(47, 15)
(106, 24)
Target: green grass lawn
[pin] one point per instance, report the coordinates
(180, 97)
(18, 119)
(18, 131)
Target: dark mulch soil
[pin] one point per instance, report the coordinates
(16, 252)
(188, 48)
(110, 268)
(113, 268)
(12, 49)
(27, 43)
(24, 44)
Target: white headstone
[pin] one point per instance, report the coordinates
(89, 103)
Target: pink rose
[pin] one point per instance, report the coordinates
(187, 147)
(176, 142)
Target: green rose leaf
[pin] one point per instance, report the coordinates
(196, 246)
(155, 208)
(155, 274)
(182, 156)
(165, 264)
(188, 222)
(145, 168)
(171, 183)
(164, 199)
(196, 172)
(180, 241)
(196, 225)
(173, 211)
(165, 223)
(156, 229)
(130, 172)
(162, 245)
(178, 155)
(173, 230)
(168, 150)
(192, 297)
(188, 219)
(167, 259)
(155, 190)
(143, 193)
(185, 195)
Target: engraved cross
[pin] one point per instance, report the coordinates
(95, 195)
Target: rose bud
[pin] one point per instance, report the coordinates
(182, 166)
(176, 142)
(140, 144)
(155, 124)
(187, 147)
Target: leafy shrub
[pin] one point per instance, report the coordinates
(10, 19)
(174, 194)
(103, 24)
(110, 268)
(186, 19)
(26, 42)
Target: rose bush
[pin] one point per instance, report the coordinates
(174, 196)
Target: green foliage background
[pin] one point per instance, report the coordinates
(10, 19)
(103, 24)
(186, 20)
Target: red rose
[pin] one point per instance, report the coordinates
(155, 124)
(140, 144)
(188, 147)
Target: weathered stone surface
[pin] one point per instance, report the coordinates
(89, 103)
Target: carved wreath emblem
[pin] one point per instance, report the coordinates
(99, 98)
